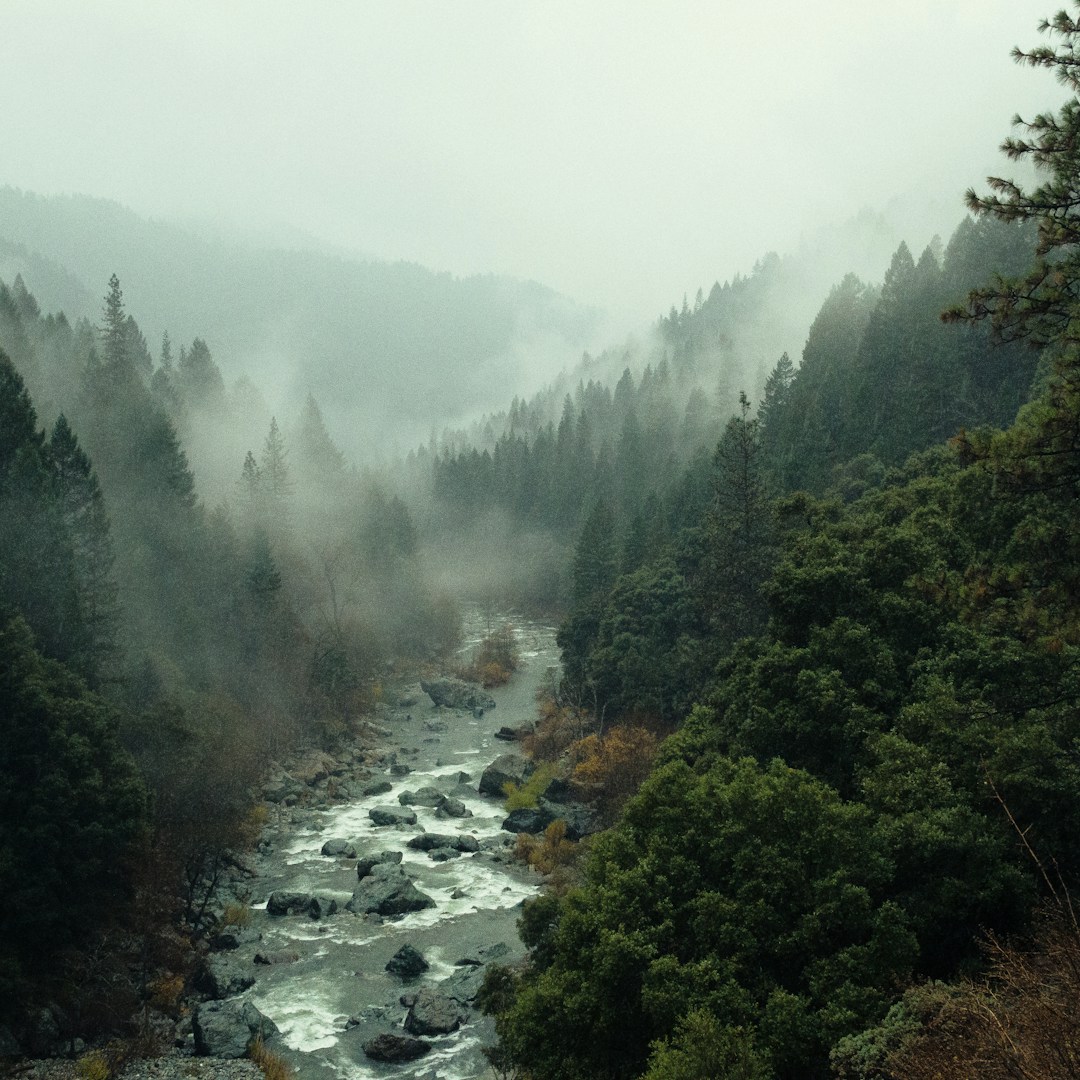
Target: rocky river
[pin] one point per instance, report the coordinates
(320, 970)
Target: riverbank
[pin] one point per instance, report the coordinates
(410, 792)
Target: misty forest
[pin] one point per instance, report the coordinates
(733, 669)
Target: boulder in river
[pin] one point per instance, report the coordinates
(322, 907)
(452, 808)
(505, 769)
(429, 841)
(433, 1013)
(337, 848)
(444, 842)
(392, 815)
(368, 863)
(425, 796)
(279, 956)
(225, 1029)
(457, 694)
(395, 1049)
(375, 787)
(288, 903)
(232, 937)
(407, 962)
(388, 890)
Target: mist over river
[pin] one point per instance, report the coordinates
(338, 994)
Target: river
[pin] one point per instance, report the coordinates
(338, 994)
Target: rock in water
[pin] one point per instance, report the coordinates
(456, 694)
(395, 1048)
(288, 903)
(392, 815)
(387, 891)
(433, 1013)
(368, 863)
(407, 962)
(345, 849)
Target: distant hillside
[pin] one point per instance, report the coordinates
(390, 348)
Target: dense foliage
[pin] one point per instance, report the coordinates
(881, 766)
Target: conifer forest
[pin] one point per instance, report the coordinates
(735, 650)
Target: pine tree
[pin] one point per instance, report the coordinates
(83, 510)
(275, 478)
(317, 457)
(114, 331)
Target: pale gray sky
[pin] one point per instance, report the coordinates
(621, 151)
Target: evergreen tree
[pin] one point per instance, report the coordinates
(274, 470)
(84, 513)
(114, 330)
(317, 458)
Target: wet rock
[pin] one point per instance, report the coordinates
(464, 778)
(457, 694)
(506, 769)
(322, 907)
(375, 787)
(388, 890)
(444, 842)
(395, 1049)
(288, 903)
(280, 956)
(528, 820)
(464, 985)
(509, 734)
(223, 977)
(392, 815)
(225, 1029)
(425, 796)
(444, 855)
(407, 962)
(430, 841)
(452, 808)
(433, 1013)
(232, 937)
(344, 849)
(368, 863)
(459, 894)
(399, 768)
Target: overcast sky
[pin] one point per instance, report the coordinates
(622, 151)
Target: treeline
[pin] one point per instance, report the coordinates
(865, 651)
(880, 378)
(157, 654)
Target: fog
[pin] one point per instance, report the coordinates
(622, 155)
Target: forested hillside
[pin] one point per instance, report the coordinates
(817, 612)
(158, 654)
(392, 348)
(856, 850)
